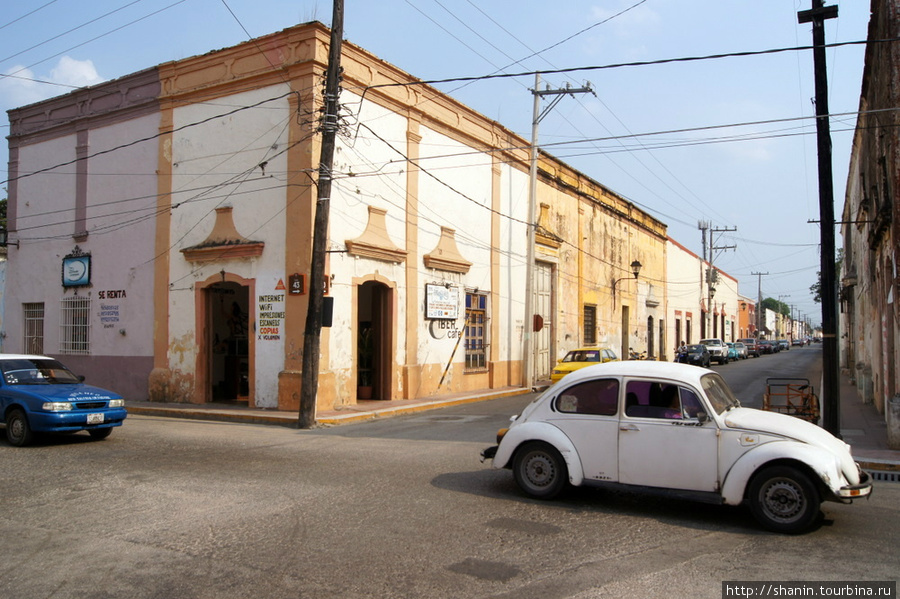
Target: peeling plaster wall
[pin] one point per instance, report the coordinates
(216, 164)
(512, 250)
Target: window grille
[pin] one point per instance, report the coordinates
(590, 325)
(33, 316)
(75, 325)
(476, 342)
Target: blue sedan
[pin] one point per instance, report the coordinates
(40, 395)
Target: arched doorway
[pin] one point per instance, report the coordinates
(375, 330)
(227, 331)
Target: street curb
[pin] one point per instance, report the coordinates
(403, 410)
(879, 465)
(290, 420)
(214, 415)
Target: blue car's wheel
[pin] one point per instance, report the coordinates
(100, 433)
(18, 432)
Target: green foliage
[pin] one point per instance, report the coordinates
(816, 288)
(776, 306)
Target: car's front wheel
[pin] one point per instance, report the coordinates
(100, 433)
(18, 432)
(783, 499)
(540, 470)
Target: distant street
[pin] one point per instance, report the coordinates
(400, 507)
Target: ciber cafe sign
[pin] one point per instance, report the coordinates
(442, 309)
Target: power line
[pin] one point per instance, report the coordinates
(618, 65)
(148, 138)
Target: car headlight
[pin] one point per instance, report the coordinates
(117, 403)
(57, 406)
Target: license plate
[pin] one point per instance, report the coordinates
(95, 418)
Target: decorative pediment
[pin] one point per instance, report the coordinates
(224, 241)
(652, 301)
(446, 256)
(375, 242)
(542, 233)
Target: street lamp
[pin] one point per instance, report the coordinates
(635, 270)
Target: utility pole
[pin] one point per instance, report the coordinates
(714, 276)
(528, 319)
(759, 301)
(831, 400)
(312, 335)
(704, 225)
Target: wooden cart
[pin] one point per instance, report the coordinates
(792, 396)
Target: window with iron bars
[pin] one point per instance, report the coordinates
(33, 316)
(476, 341)
(590, 325)
(75, 325)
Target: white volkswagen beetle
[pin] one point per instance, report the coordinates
(679, 427)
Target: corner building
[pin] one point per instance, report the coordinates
(188, 193)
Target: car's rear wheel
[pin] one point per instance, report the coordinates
(100, 433)
(784, 499)
(18, 432)
(540, 470)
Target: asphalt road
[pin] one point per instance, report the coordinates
(175, 509)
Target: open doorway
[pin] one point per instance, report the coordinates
(227, 309)
(375, 328)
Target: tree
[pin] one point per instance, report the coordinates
(816, 288)
(776, 306)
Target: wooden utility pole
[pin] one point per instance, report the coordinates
(759, 301)
(528, 321)
(312, 335)
(831, 400)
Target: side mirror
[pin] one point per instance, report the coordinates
(702, 417)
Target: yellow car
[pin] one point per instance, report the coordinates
(581, 357)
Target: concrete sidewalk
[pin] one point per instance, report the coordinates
(866, 432)
(861, 424)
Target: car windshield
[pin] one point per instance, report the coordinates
(27, 371)
(719, 394)
(582, 356)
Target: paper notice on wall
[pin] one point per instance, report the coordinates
(270, 317)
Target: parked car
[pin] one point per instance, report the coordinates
(581, 357)
(783, 344)
(797, 342)
(752, 347)
(718, 351)
(743, 354)
(733, 353)
(40, 395)
(766, 346)
(695, 354)
(676, 428)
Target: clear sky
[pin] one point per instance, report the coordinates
(729, 141)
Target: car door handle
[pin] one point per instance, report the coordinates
(628, 427)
